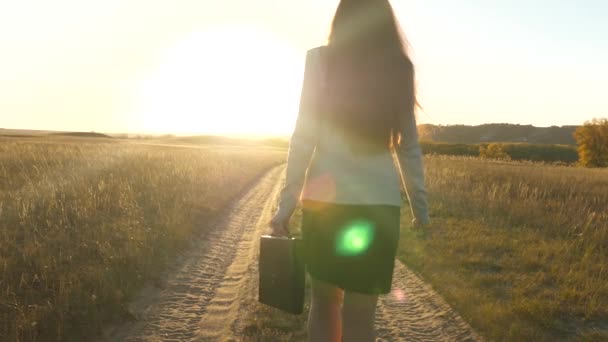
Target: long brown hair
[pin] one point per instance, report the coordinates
(370, 77)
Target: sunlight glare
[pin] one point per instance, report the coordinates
(226, 80)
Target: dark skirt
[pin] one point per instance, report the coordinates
(351, 246)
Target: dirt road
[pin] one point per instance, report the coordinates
(208, 296)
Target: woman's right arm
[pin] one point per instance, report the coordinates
(412, 169)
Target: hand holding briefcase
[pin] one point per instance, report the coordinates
(281, 272)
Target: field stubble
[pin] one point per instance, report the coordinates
(84, 224)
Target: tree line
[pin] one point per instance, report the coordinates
(590, 148)
(564, 154)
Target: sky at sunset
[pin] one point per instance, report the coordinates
(235, 66)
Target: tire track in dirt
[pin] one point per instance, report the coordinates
(201, 297)
(240, 282)
(413, 311)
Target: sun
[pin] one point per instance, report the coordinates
(224, 80)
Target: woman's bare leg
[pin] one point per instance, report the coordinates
(358, 317)
(325, 319)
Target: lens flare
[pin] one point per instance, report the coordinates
(399, 295)
(355, 238)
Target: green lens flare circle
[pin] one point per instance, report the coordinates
(355, 238)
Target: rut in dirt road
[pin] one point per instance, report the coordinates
(190, 307)
(414, 312)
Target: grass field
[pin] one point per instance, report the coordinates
(85, 222)
(519, 249)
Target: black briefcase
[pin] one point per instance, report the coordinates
(281, 274)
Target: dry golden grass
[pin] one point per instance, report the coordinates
(84, 223)
(519, 249)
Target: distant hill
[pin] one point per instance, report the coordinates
(28, 133)
(82, 134)
(22, 133)
(464, 134)
(221, 140)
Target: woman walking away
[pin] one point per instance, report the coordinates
(357, 107)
